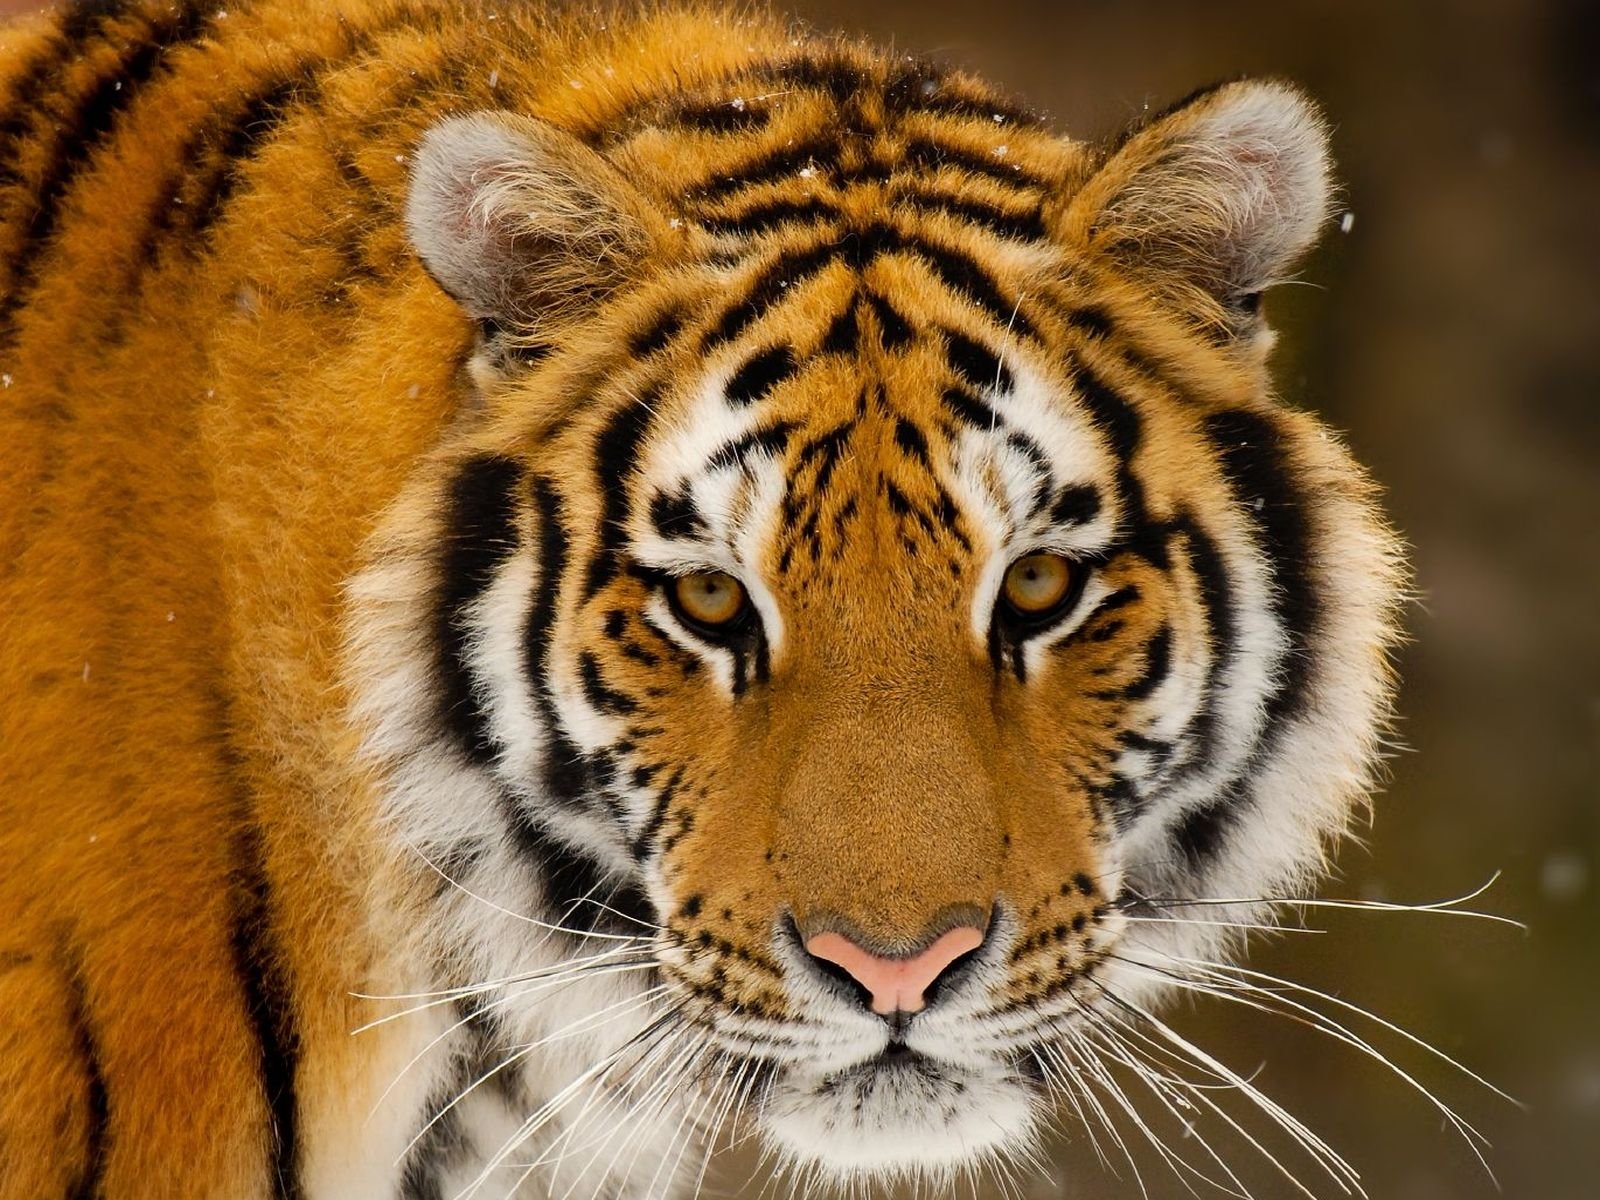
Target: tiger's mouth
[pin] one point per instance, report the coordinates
(901, 1113)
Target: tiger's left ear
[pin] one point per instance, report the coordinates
(1213, 201)
(521, 223)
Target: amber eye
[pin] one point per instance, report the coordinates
(710, 599)
(1037, 583)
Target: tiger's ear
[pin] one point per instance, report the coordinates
(521, 223)
(1213, 201)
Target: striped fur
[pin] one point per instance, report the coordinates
(370, 371)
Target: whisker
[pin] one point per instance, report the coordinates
(546, 979)
(1351, 1007)
(584, 1024)
(516, 916)
(1331, 1162)
(1441, 907)
(554, 1105)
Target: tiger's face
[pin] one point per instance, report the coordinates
(872, 645)
(884, 617)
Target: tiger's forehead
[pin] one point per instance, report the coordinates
(871, 429)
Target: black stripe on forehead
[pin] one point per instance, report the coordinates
(674, 514)
(930, 154)
(954, 268)
(771, 285)
(769, 166)
(1116, 418)
(976, 363)
(1075, 504)
(760, 374)
(894, 331)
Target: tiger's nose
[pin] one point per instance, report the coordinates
(896, 984)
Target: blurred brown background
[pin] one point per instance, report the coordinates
(1451, 333)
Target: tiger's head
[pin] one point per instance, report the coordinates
(871, 584)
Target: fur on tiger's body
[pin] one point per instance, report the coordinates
(672, 573)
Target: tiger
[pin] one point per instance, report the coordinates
(584, 583)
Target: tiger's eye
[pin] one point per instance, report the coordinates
(709, 598)
(1037, 583)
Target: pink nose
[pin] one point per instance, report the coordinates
(896, 984)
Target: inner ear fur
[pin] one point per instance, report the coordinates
(521, 223)
(1212, 201)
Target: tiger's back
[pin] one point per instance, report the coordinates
(268, 476)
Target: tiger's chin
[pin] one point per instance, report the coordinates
(899, 1116)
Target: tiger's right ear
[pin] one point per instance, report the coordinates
(521, 223)
(1212, 201)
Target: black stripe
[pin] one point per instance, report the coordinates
(1216, 601)
(1202, 831)
(33, 88)
(601, 695)
(1158, 749)
(1091, 319)
(976, 363)
(1124, 800)
(825, 450)
(480, 534)
(1026, 225)
(949, 516)
(1040, 462)
(80, 136)
(770, 286)
(922, 87)
(234, 144)
(727, 116)
(894, 331)
(771, 440)
(565, 769)
(911, 440)
(1251, 450)
(90, 1181)
(971, 409)
(1076, 504)
(444, 1144)
(657, 334)
(616, 453)
(931, 155)
(771, 165)
(763, 216)
(267, 1001)
(674, 514)
(1117, 419)
(1110, 411)
(963, 275)
(834, 74)
(843, 334)
(643, 844)
(576, 886)
(760, 374)
(1157, 666)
